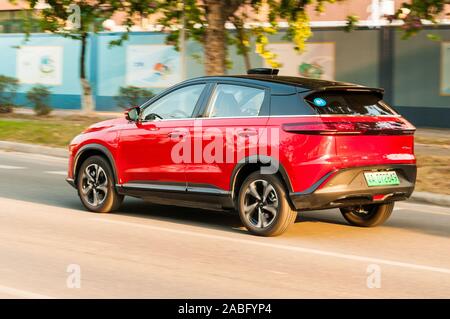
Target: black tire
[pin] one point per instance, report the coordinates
(373, 215)
(262, 220)
(105, 199)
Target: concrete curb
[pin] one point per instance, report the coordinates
(426, 197)
(432, 198)
(34, 149)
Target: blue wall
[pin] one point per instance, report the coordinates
(411, 79)
(66, 95)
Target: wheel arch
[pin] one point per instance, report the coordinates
(251, 164)
(89, 150)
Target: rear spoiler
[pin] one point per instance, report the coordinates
(353, 88)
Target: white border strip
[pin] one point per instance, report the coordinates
(22, 293)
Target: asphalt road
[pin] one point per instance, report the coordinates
(50, 247)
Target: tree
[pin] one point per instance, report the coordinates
(205, 22)
(76, 19)
(414, 13)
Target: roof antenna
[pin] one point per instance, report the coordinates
(266, 71)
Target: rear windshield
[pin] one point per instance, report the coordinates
(349, 102)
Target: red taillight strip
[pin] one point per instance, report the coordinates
(350, 128)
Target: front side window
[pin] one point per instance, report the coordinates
(349, 103)
(175, 105)
(235, 101)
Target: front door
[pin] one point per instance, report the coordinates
(145, 147)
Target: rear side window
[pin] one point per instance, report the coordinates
(288, 105)
(349, 103)
(235, 101)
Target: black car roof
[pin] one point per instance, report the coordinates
(306, 83)
(311, 84)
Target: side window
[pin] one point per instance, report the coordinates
(289, 105)
(177, 104)
(235, 101)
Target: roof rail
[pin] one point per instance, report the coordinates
(267, 71)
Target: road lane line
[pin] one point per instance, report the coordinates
(56, 172)
(284, 247)
(11, 167)
(22, 293)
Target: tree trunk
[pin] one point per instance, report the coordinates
(215, 46)
(247, 63)
(87, 100)
(240, 31)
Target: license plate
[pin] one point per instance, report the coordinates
(381, 178)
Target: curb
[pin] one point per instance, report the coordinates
(34, 149)
(432, 198)
(425, 197)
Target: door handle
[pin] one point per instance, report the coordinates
(247, 132)
(150, 127)
(176, 134)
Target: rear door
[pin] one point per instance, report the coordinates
(226, 132)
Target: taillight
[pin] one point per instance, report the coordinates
(350, 128)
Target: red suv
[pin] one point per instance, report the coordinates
(265, 145)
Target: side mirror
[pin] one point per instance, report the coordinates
(132, 114)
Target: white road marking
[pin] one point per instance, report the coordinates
(22, 293)
(11, 167)
(56, 172)
(30, 157)
(284, 247)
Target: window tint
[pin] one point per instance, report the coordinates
(289, 105)
(352, 103)
(177, 104)
(235, 101)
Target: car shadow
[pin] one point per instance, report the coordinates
(216, 219)
(430, 224)
(437, 225)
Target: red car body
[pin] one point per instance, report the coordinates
(321, 158)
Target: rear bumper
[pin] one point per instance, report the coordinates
(348, 187)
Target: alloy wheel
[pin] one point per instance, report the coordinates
(260, 204)
(94, 185)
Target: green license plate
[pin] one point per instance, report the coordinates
(381, 178)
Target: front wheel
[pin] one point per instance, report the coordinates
(95, 184)
(368, 215)
(263, 205)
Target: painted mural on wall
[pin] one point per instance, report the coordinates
(445, 69)
(317, 61)
(152, 66)
(40, 65)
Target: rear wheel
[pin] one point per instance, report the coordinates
(95, 184)
(368, 215)
(263, 205)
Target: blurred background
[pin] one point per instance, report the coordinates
(67, 64)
